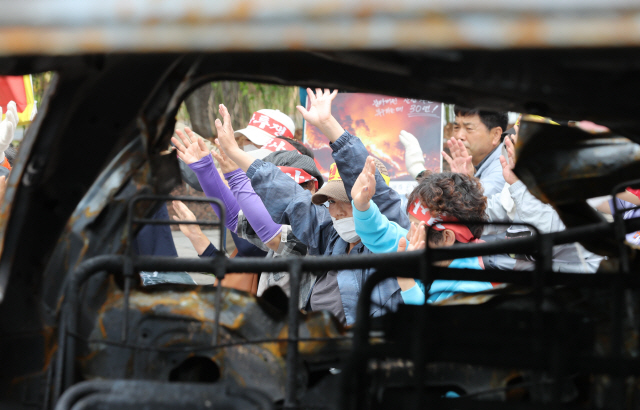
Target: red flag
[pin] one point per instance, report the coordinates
(19, 89)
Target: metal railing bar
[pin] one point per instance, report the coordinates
(189, 349)
(291, 399)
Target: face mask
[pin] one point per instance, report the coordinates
(346, 229)
(249, 147)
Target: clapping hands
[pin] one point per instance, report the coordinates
(460, 159)
(507, 166)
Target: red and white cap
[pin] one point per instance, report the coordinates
(267, 124)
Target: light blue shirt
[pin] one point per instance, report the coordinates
(380, 235)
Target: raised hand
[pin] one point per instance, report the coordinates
(507, 166)
(226, 164)
(226, 139)
(191, 149)
(417, 240)
(193, 232)
(460, 159)
(320, 110)
(319, 113)
(227, 142)
(365, 186)
(183, 213)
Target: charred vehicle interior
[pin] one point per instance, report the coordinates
(78, 331)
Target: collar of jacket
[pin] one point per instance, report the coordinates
(487, 159)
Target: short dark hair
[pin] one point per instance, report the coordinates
(299, 146)
(490, 119)
(453, 194)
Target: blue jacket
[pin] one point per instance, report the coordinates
(381, 235)
(290, 204)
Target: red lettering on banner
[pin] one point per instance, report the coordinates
(269, 125)
(279, 145)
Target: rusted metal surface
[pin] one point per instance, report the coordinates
(71, 27)
(180, 319)
(133, 395)
(83, 237)
(103, 102)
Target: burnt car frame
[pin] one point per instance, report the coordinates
(73, 316)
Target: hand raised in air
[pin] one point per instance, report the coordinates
(365, 186)
(191, 147)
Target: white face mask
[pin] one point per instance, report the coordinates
(346, 228)
(249, 147)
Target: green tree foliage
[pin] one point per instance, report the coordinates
(242, 100)
(41, 83)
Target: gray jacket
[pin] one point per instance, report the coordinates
(290, 204)
(571, 257)
(490, 173)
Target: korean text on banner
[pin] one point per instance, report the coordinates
(377, 120)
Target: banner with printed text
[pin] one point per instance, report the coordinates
(377, 120)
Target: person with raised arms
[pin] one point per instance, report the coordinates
(325, 230)
(246, 215)
(438, 199)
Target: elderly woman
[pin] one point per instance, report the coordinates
(438, 199)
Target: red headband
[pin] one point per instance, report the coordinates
(278, 144)
(635, 192)
(462, 232)
(299, 175)
(268, 124)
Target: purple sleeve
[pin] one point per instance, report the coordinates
(214, 186)
(252, 206)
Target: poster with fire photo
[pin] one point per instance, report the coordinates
(377, 120)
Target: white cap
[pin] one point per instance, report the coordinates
(267, 124)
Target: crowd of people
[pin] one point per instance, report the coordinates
(278, 202)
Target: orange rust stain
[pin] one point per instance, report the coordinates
(50, 345)
(59, 304)
(319, 325)
(436, 29)
(237, 323)
(529, 28)
(83, 251)
(88, 357)
(114, 296)
(236, 377)
(103, 331)
(241, 11)
(366, 11)
(296, 37)
(323, 9)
